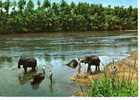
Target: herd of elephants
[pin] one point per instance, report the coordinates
(30, 62)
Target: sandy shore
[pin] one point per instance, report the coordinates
(126, 67)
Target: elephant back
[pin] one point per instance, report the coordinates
(27, 60)
(94, 59)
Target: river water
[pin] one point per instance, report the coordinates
(54, 50)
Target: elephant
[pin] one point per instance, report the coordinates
(37, 79)
(73, 63)
(91, 60)
(27, 62)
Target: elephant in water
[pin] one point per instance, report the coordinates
(27, 62)
(37, 79)
(90, 60)
(73, 63)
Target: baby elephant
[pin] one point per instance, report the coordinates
(27, 62)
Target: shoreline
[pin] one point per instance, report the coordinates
(36, 33)
(125, 67)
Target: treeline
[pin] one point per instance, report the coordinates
(25, 16)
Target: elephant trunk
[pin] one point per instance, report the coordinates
(19, 63)
(19, 66)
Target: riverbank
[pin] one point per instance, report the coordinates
(125, 69)
(66, 32)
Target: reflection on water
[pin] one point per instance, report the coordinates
(36, 82)
(25, 77)
(54, 51)
(5, 59)
(35, 78)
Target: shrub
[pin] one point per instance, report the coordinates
(113, 87)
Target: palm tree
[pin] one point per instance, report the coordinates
(46, 4)
(21, 5)
(1, 7)
(30, 6)
(6, 6)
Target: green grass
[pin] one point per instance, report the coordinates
(112, 87)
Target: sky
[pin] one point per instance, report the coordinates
(124, 3)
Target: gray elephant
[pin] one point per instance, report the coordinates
(91, 60)
(27, 62)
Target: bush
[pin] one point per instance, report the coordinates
(113, 87)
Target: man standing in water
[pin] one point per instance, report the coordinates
(79, 66)
(50, 74)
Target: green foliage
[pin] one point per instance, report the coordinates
(38, 3)
(30, 6)
(110, 87)
(46, 4)
(21, 5)
(23, 16)
(6, 6)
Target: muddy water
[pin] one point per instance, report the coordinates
(54, 50)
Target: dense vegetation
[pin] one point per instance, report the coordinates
(25, 16)
(120, 82)
(109, 87)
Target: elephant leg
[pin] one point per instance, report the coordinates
(25, 69)
(33, 68)
(96, 68)
(99, 68)
(89, 69)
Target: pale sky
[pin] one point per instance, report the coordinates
(124, 3)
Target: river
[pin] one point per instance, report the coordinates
(54, 50)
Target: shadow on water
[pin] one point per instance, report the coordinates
(25, 77)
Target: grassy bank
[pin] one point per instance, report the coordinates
(119, 78)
